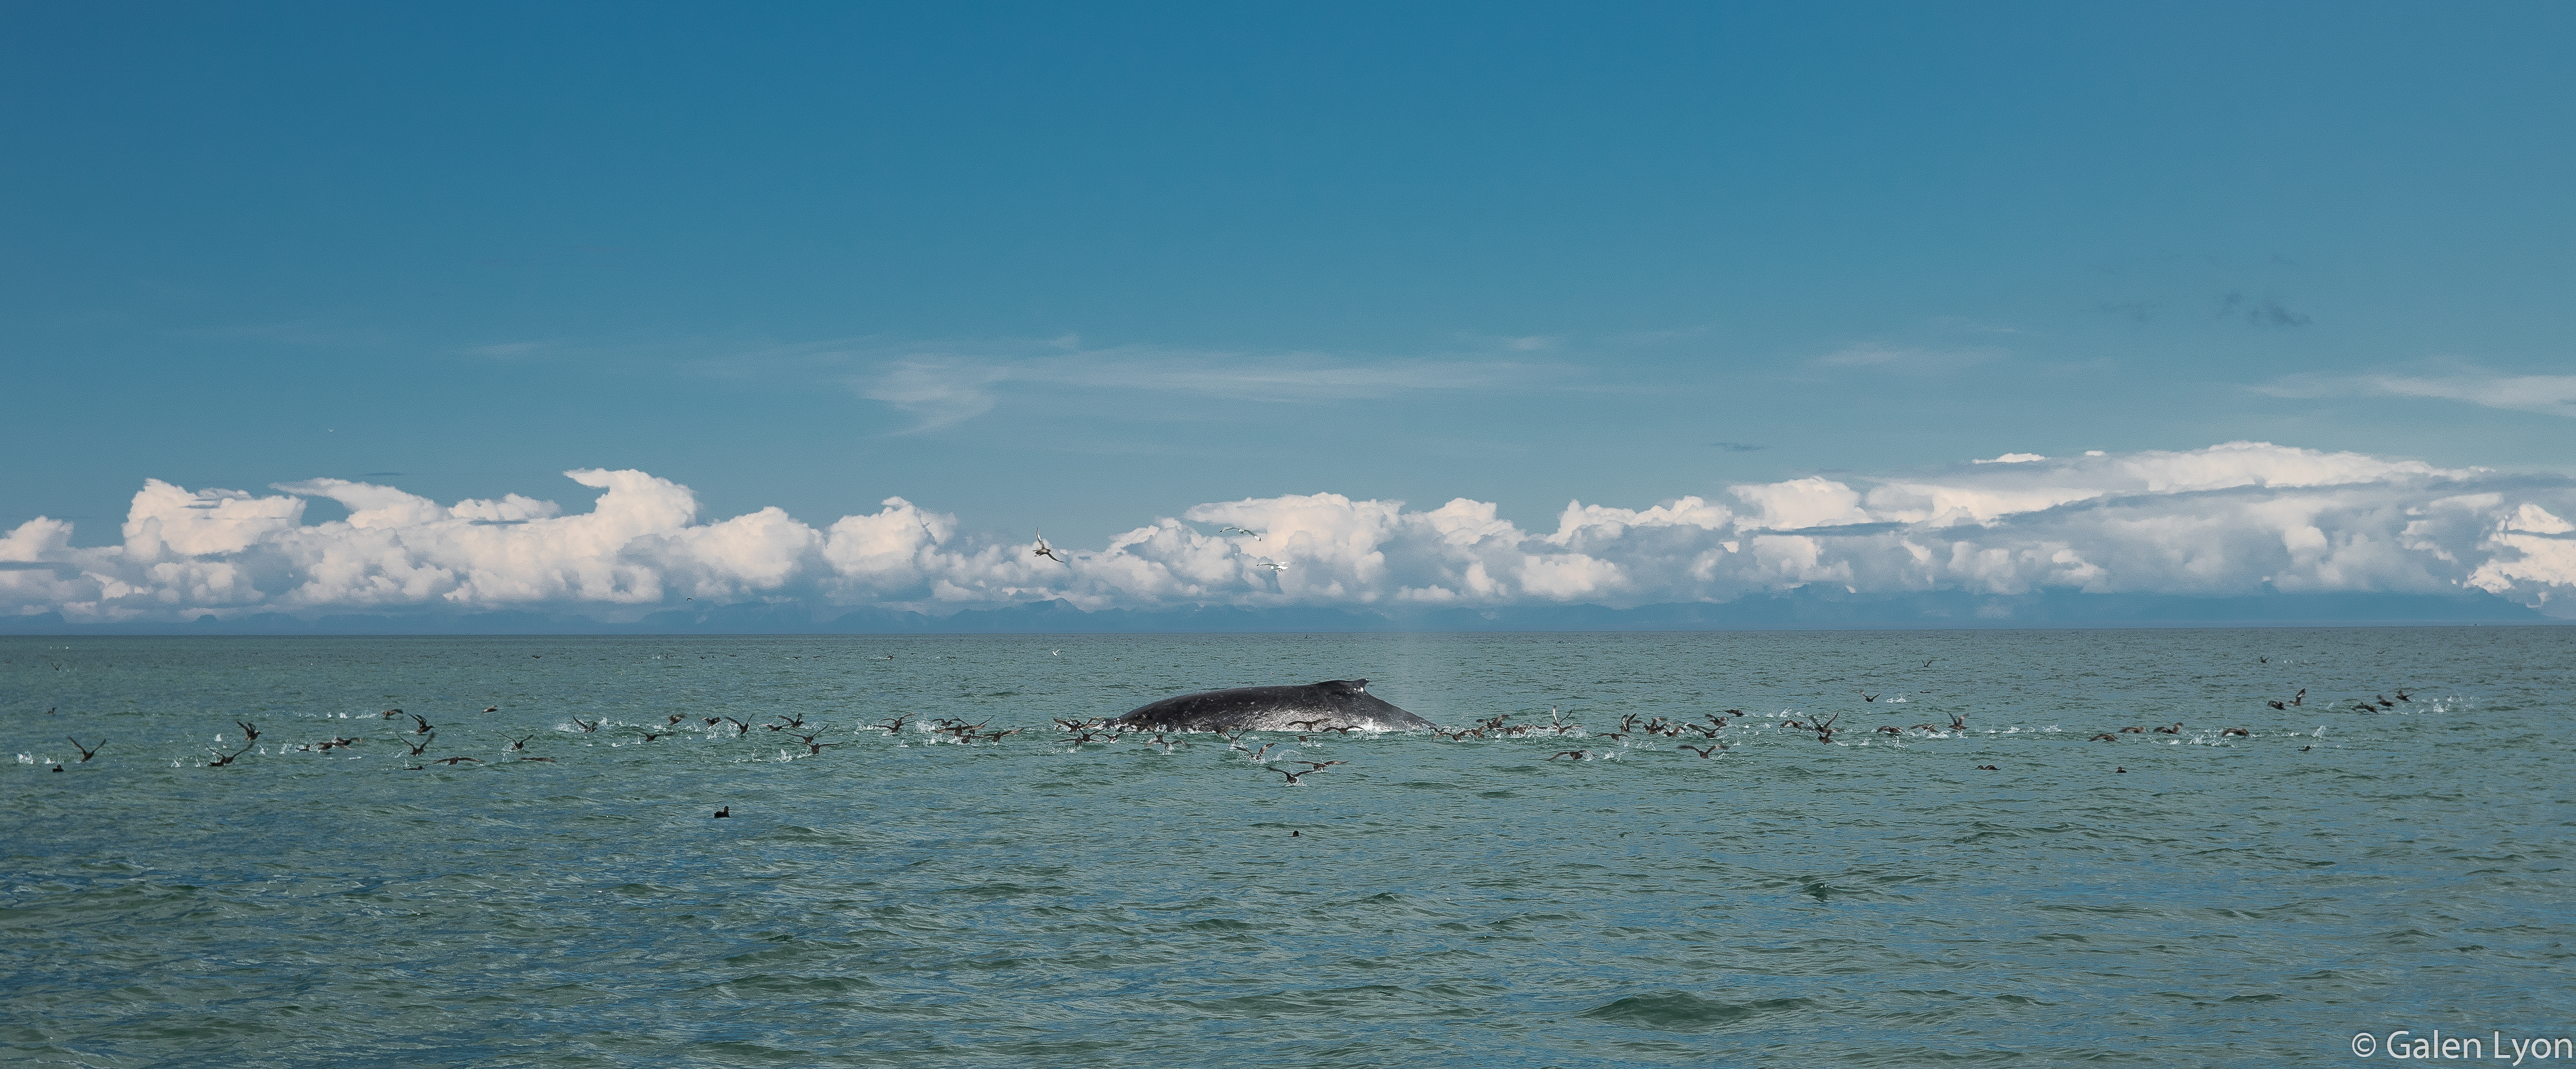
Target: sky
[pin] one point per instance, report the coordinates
(1101, 270)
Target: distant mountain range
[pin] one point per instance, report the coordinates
(1802, 610)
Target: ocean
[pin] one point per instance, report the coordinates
(2345, 868)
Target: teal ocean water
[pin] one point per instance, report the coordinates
(897, 899)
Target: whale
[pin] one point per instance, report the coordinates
(1336, 702)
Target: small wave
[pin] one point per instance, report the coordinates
(1683, 1011)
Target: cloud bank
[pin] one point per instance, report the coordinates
(2242, 518)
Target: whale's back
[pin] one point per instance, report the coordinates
(1313, 706)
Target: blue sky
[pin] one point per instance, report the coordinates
(1081, 268)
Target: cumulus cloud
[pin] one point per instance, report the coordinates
(2233, 519)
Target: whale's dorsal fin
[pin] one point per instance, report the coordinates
(1360, 685)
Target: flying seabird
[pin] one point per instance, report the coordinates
(1049, 552)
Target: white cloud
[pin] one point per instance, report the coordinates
(1808, 502)
(2549, 394)
(938, 394)
(943, 391)
(2232, 519)
(1910, 359)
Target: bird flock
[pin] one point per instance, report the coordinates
(1704, 736)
